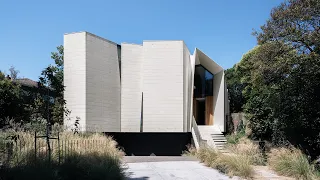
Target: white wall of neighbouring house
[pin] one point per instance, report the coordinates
(163, 86)
(75, 78)
(102, 85)
(131, 87)
(219, 100)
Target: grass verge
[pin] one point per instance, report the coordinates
(245, 147)
(293, 163)
(231, 164)
(76, 156)
(76, 166)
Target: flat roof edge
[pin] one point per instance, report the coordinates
(160, 40)
(131, 43)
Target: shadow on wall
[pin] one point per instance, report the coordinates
(152, 144)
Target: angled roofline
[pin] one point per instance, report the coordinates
(206, 61)
(88, 33)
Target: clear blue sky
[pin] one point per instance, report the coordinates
(30, 30)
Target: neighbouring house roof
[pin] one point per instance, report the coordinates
(31, 84)
(27, 82)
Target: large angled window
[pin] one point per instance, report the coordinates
(203, 82)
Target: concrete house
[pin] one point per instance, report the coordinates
(156, 86)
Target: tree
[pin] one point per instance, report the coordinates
(293, 75)
(299, 107)
(235, 88)
(52, 81)
(280, 78)
(296, 22)
(11, 103)
(280, 92)
(52, 78)
(13, 72)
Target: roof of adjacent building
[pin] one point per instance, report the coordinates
(27, 82)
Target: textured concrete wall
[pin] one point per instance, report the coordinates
(92, 80)
(163, 86)
(102, 85)
(131, 87)
(75, 77)
(162, 70)
(219, 100)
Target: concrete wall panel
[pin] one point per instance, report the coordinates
(219, 100)
(131, 87)
(163, 86)
(102, 85)
(75, 77)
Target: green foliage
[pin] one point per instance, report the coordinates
(26, 105)
(36, 125)
(280, 78)
(11, 103)
(234, 138)
(235, 88)
(296, 22)
(52, 77)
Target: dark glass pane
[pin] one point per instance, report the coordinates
(203, 82)
(209, 83)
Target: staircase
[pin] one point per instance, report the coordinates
(213, 136)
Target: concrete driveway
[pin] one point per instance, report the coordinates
(168, 167)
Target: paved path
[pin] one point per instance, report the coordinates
(169, 168)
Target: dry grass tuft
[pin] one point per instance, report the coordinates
(291, 162)
(191, 151)
(82, 144)
(77, 156)
(235, 165)
(208, 156)
(231, 164)
(245, 147)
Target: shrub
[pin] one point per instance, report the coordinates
(234, 138)
(291, 162)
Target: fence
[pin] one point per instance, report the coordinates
(18, 150)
